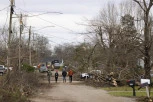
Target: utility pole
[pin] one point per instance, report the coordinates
(10, 33)
(29, 45)
(21, 28)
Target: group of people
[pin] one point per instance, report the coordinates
(64, 74)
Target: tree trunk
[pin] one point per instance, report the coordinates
(147, 63)
(146, 7)
(146, 45)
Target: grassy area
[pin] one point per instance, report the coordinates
(129, 94)
(126, 91)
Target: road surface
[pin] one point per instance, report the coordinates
(74, 92)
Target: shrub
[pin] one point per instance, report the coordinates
(28, 68)
(17, 86)
(8, 95)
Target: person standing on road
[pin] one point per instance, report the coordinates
(70, 74)
(64, 73)
(49, 74)
(56, 76)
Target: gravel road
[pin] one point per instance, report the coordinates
(75, 92)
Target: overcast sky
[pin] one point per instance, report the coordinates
(66, 25)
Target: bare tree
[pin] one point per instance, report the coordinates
(146, 5)
(118, 40)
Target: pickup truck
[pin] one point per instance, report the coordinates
(2, 69)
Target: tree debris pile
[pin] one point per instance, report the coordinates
(100, 80)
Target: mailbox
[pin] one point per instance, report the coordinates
(131, 83)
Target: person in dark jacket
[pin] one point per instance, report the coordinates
(64, 73)
(56, 76)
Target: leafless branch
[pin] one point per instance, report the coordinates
(139, 5)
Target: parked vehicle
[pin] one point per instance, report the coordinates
(2, 69)
(84, 75)
(43, 68)
(35, 67)
(56, 64)
(8, 68)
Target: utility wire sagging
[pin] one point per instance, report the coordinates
(32, 15)
(4, 8)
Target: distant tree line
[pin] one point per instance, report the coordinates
(40, 48)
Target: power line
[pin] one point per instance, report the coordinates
(51, 22)
(56, 24)
(43, 14)
(81, 34)
(55, 37)
(4, 8)
(44, 28)
(52, 36)
(32, 15)
(56, 43)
